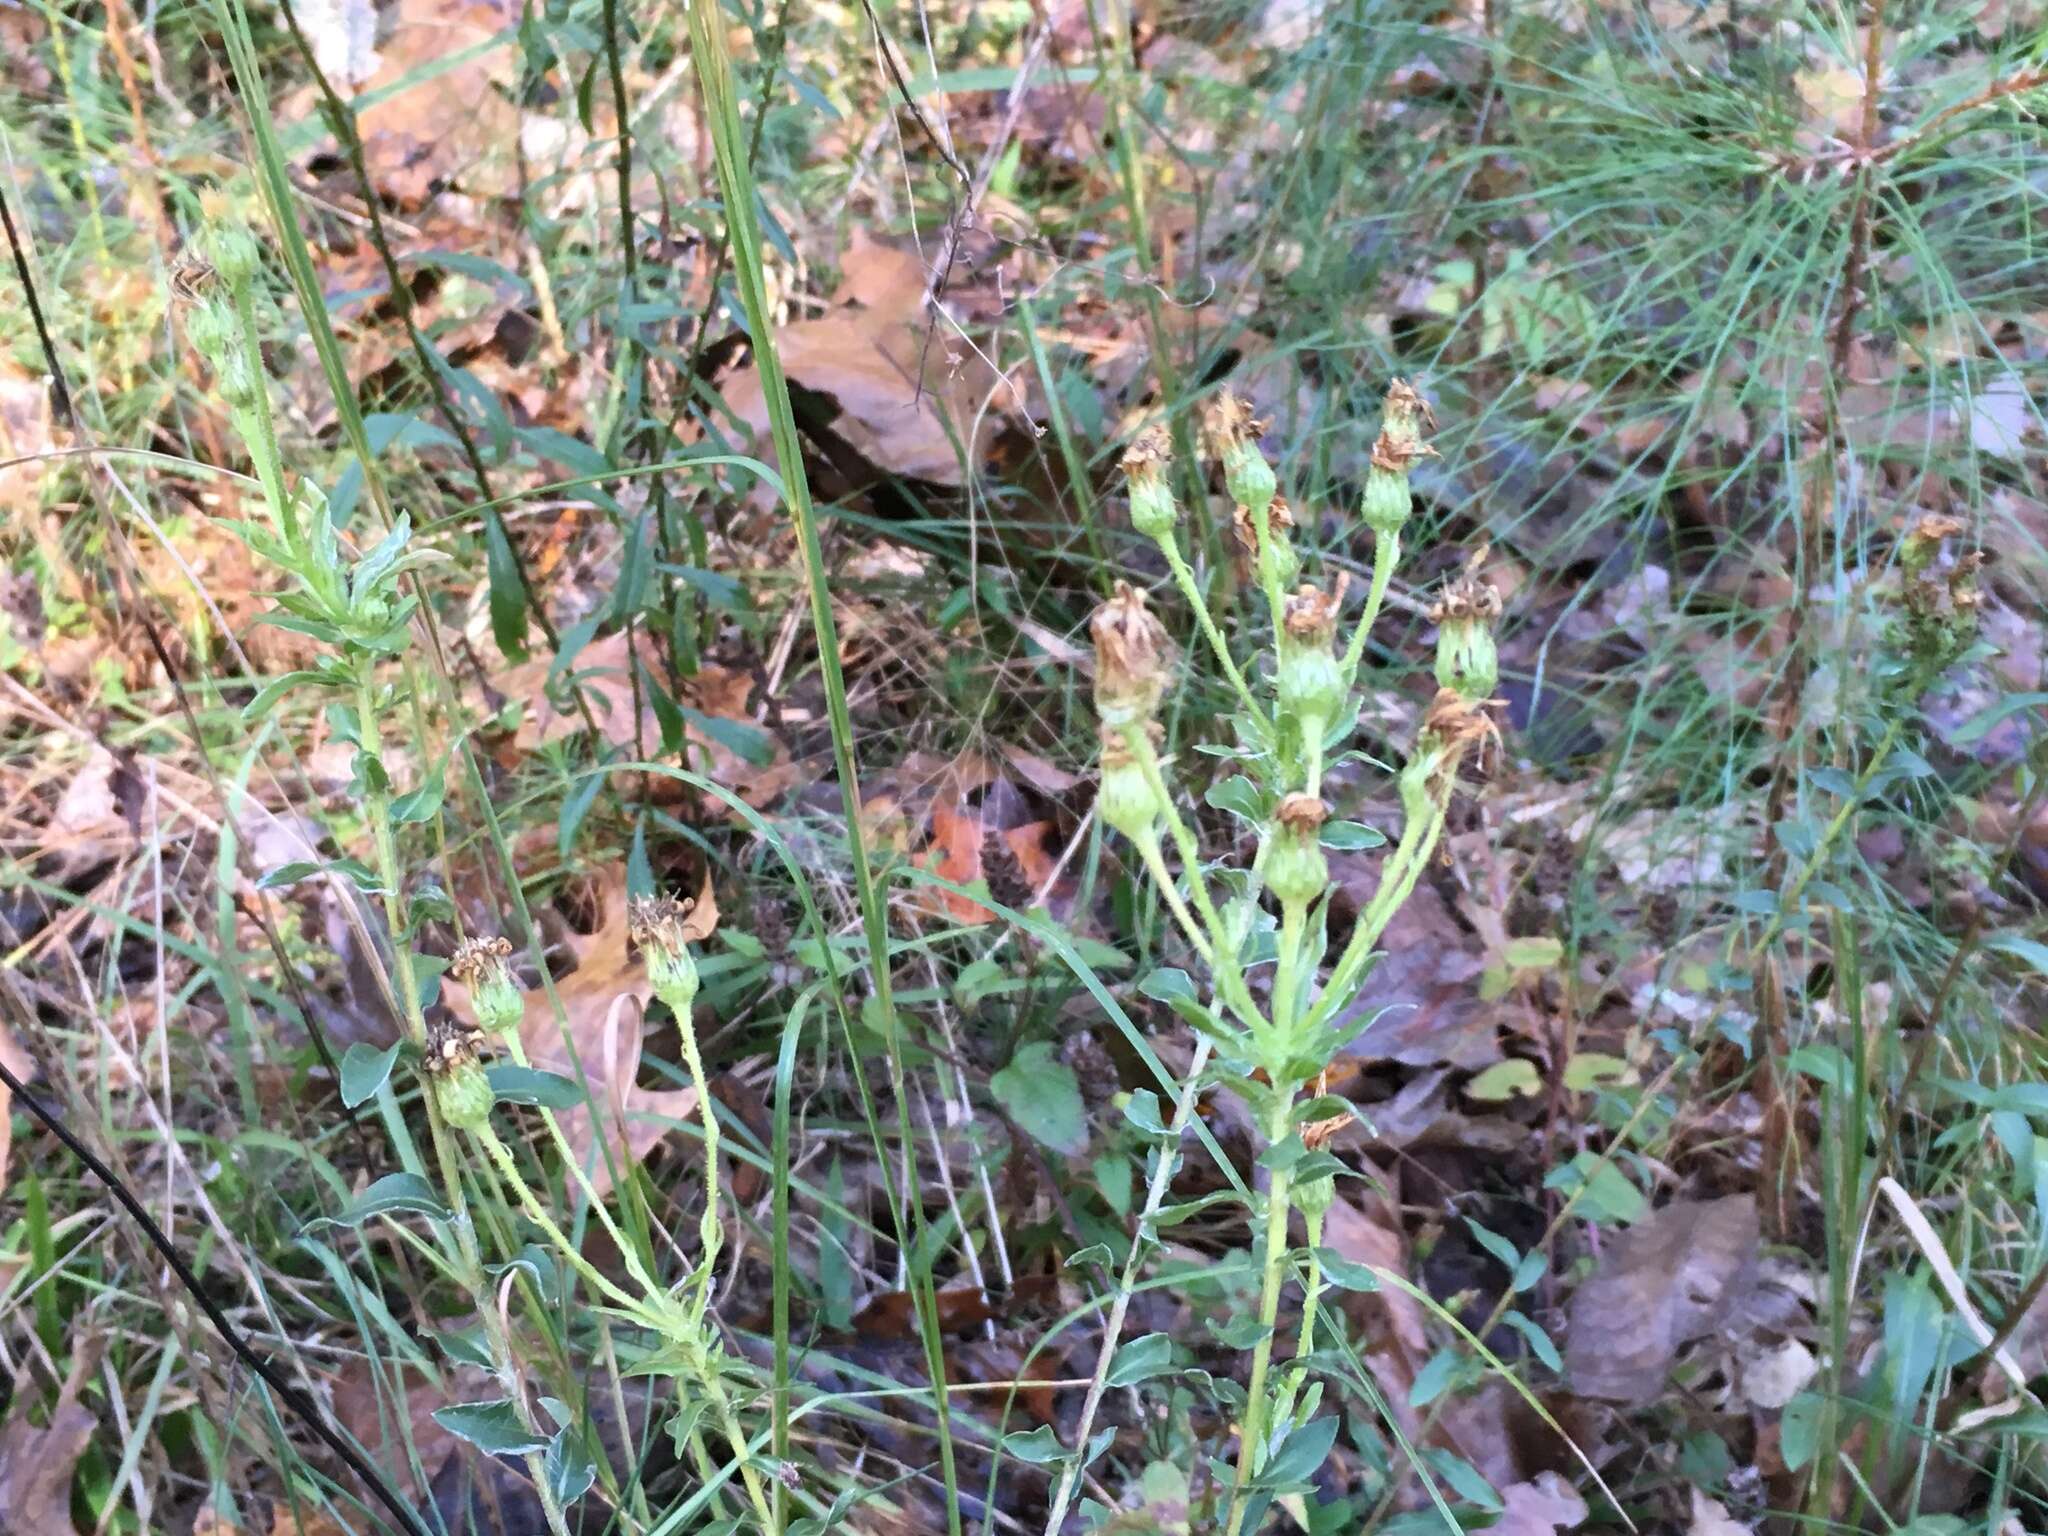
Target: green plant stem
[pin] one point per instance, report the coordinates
(377, 809)
(637, 1309)
(1305, 1341)
(1386, 554)
(1169, 891)
(1253, 1433)
(710, 56)
(711, 1229)
(1184, 578)
(1127, 1281)
(1287, 973)
(1397, 880)
(1229, 976)
(1269, 563)
(516, 1048)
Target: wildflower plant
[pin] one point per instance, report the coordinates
(1276, 1006)
(357, 607)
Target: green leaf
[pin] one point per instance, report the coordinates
(1539, 1341)
(1300, 1455)
(1799, 1430)
(1041, 1093)
(267, 697)
(1609, 1196)
(1503, 1250)
(1434, 1377)
(574, 809)
(424, 803)
(1504, 1080)
(2032, 951)
(1538, 954)
(1142, 1110)
(364, 1070)
(1346, 1274)
(508, 590)
(568, 1465)
(514, 1084)
(1141, 1359)
(1350, 836)
(1985, 721)
(493, 1427)
(1040, 1447)
(357, 872)
(749, 743)
(1241, 797)
(396, 1194)
(1094, 1253)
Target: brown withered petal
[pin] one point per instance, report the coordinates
(1150, 452)
(1312, 612)
(1936, 526)
(657, 921)
(1399, 443)
(1132, 648)
(474, 958)
(1467, 596)
(1227, 421)
(451, 1044)
(1318, 1134)
(1279, 516)
(1301, 814)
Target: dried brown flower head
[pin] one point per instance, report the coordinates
(1400, 441)
(1228, 423)
(451, 1046)
(1301, 814)
(1149, 454)
(1467, 597)
(474, 959)
(1311, 615)
(1133, 655)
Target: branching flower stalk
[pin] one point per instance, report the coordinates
(1289, 721)
(357, 607)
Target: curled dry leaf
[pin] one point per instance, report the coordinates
(1673, 1277)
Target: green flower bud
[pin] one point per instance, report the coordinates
(1467, 661)
(455, 1076)
(233, 251)
(1126, 800)
(1314, 1197)
(1293, 862)
(660, 926)
(1133, 655)
(1309, 679)
(482, 965)
(1234, 441)
(1387, 499)
(1153, 512)
(211, 328)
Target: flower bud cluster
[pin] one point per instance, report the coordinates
(657, 924)
(1467, 661)
(455, 1075)
(484, 966)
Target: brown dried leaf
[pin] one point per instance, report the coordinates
(1671, 1278)
(24, 429)
(452, 121)
(36, 1465)
(905, 390)
(1541, 1507)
